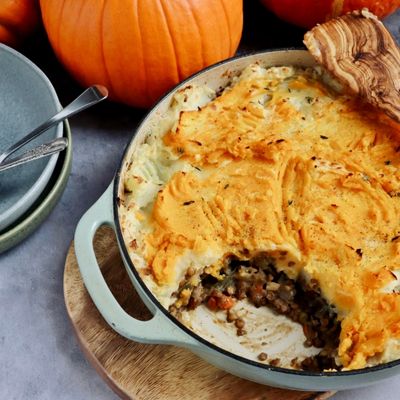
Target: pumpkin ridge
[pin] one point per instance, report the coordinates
(80, 11)
(140, 48)
(200, 35)
(229, 27)
(172, 41)
(143, 90)
(60, 19)
(82, 3)
(108, 84)
(146, 85)
(222, 54)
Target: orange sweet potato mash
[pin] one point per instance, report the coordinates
(281, 161)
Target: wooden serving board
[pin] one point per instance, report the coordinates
(141, 371)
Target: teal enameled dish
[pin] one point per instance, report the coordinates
(42, 207)
(27, 98)
(163, 328)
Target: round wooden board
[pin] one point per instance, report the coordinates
(141, 371)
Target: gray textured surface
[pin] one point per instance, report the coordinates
(39, 356)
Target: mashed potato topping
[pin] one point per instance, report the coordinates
(280, 162)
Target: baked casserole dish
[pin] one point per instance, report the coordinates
(258, 212)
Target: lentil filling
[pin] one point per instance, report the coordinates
(262, 284)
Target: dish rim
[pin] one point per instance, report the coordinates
(10, 238)
(22, 205)
(152, 297)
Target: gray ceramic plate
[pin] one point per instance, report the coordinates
(27, 98)
(42, 207)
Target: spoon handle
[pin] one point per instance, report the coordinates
(44, 150)
(88, 98)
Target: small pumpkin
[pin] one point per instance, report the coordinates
(18, 18)
(141, 48)
(307, 13)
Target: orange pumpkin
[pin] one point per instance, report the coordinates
(141, 48)
(307, 13)
(18, 18)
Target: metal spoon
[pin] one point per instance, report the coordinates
(43, 150)
(88, 98)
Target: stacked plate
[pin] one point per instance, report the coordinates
(28, 192)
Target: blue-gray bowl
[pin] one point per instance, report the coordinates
(27, 98)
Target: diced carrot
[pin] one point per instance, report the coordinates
(225, 302)
(258, 287)
(212, 303)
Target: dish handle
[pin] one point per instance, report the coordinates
(156, 330)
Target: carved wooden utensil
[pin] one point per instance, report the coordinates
(359, 51)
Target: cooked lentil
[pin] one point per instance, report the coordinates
(259, 281)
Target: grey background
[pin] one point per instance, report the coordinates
(39, 355)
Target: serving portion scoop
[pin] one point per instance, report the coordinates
(358, 50)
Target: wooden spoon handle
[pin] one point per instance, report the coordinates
(359, 51)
